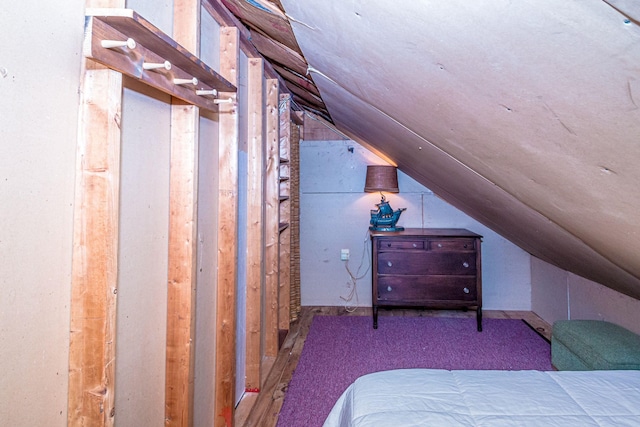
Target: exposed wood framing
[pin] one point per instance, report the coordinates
(95, 250)
(269, 18)
(181, 283)
(284, 267)
(225, 18)
(304, 82)
(308, 97)
(227, 233)
(255, 222)
(272, 207)
(279, 53)
(181, 277)
(151, 46)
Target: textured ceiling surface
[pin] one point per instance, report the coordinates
(525, 115)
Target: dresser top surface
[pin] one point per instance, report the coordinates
(426, 232)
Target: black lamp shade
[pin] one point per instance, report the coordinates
(381, 178)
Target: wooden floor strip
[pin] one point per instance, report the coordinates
(262, 409)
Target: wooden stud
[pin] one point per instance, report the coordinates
(255, 225)
(227, 234)
(182, 265)
(95, 250)
(181, 278)
(272, 207)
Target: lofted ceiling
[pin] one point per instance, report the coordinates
(524, 115)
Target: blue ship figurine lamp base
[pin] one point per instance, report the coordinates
(385, 218)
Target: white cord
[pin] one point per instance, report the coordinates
(353, 282)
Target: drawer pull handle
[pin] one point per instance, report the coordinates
(466, 290)
(465, 264)
(465, 246)
(389, 263)
(415, 245)
(388, 245)
(389, 288)
(439, 245)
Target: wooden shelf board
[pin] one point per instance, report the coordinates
(154, 46)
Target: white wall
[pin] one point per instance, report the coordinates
(559, 295)
(142, 259)
(206, 297)
(335, 215)
(39, 78)
(207, 276)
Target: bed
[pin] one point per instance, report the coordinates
(431, 397)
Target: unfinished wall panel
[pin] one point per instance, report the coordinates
(142, 257)
(204, 382)
(38, 133)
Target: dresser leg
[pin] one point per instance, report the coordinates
(375, 317)
(479, 319)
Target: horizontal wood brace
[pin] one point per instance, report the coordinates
(148, 47)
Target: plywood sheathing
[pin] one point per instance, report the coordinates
(524, 116)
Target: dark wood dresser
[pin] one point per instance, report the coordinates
(427, 267)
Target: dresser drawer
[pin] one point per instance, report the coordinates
(426, 290)
(455, 245)
(420, 263)
(400, 244)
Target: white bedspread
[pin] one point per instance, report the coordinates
(429, 397)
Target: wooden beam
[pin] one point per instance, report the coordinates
(182, 262)
(304, 82)
(269, 19)
(279, 53)
(255, 224)
(272, 207)
(227, 234)
(95, 250)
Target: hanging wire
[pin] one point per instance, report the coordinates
(353, 278)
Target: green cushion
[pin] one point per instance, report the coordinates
(593, 344)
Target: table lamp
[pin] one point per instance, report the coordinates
(383, 178)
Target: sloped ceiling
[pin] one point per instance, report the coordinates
(525, 115)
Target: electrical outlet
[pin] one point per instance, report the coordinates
(344, 254)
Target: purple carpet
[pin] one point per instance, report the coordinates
(340, 349)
